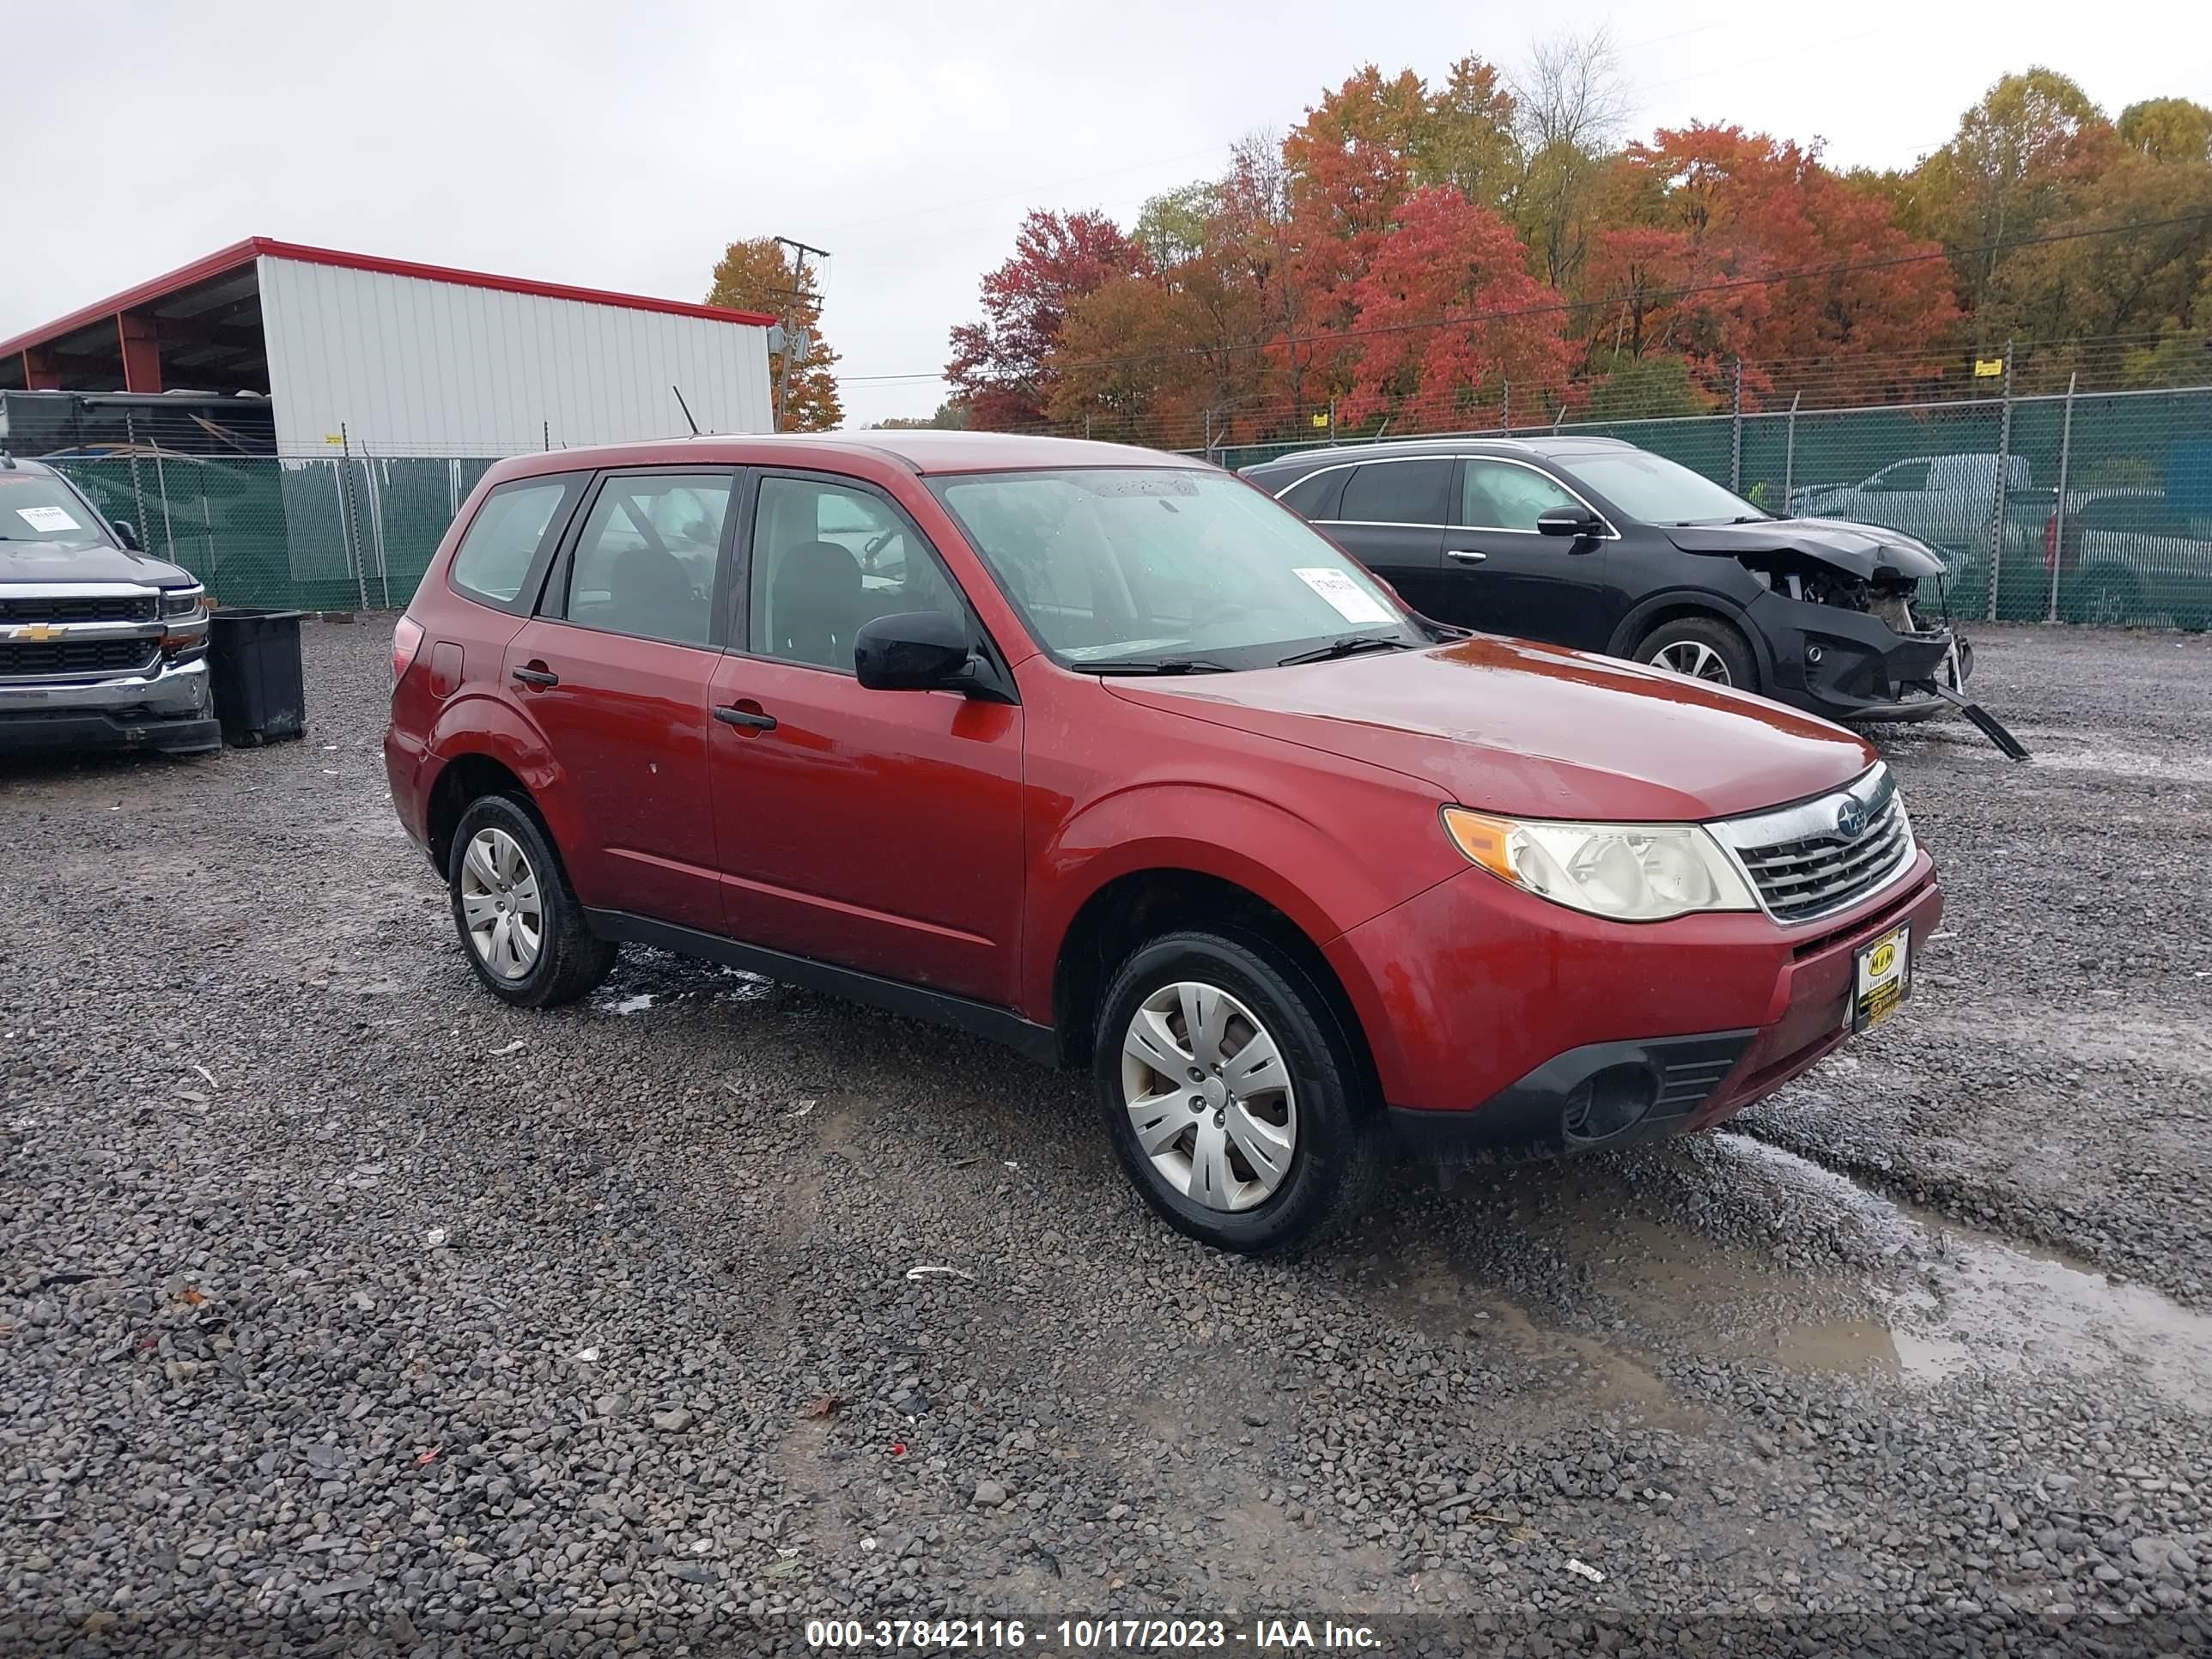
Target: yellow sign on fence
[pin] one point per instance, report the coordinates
(1320, 420)
(1986, 367)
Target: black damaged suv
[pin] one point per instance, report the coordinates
(100, 645)
(1595, 544)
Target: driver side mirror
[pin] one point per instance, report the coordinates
(915, 651)
(127, 533)
(1570, 521)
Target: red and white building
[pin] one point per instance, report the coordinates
(409, 359)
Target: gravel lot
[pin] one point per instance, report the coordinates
(343, 1311)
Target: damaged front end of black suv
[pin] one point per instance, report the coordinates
(1847, 617)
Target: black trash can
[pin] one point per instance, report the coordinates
(253, 669)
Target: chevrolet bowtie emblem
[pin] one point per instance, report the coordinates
(39, 633)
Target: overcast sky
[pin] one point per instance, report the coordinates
(621, 146)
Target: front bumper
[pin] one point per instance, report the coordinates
(1487, 1009)
(169, 709)
(1849, 665)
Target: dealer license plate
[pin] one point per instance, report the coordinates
(1882, 978)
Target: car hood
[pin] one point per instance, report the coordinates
(1864, 550)
(1534, 730)
(48, 561)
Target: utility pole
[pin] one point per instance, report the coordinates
(797, 342)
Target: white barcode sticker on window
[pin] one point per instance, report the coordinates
(1354, 603)
(46, 518)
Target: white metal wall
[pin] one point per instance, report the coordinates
(416, 367)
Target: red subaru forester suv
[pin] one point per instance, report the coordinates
(1103, 753)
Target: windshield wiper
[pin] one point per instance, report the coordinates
(1155, 666)
(1350, 645)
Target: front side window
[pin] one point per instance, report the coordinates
(826, 558)
(1909, 475)
(35, 507)
(505, 537)
(646, 558)
(1166, 569)
(1499, 495)
(1656, 490)
(1397, 492)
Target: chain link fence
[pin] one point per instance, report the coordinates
(319, 534)
(2088, 506)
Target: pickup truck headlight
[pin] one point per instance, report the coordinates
(182, 602)
(1626, 872)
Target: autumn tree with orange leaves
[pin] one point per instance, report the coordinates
(1405, 251)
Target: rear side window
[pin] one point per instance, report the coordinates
(1316, 497)
(646, 560)
(515, 524)
(1397, 492)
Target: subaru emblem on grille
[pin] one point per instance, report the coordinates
(1851, 818)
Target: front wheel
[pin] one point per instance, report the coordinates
(1701, 648)
(519, 919)
(1233, 1095)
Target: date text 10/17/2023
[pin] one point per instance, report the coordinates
(1046, 1636)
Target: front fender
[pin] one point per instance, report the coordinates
(1324, 883)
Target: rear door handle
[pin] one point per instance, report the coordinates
(741, 715)
(537, 676)
(1466, 555)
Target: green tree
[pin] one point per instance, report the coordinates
(2010, 169)
(1630, 388)
(757, 275)
(2168, 130)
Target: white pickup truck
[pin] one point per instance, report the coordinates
(1948, 501)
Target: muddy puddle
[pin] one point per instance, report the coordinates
(1604, 1275)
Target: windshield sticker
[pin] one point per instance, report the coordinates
(1353, 602)
(48, 518)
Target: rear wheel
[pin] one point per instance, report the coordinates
(1233, 1096)
(518, 919)
(1701, 648)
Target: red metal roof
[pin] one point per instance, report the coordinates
(253, 247)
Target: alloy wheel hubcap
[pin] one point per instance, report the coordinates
(1209, 1095)
(1693, 659)
(500, 903)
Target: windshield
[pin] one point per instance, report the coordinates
(35, 507)
(1128, 566)
(1656, 490)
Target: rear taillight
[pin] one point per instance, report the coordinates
(406, 640)
(2050, 543)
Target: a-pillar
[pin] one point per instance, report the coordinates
(142, 353)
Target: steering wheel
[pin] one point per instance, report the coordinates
(1220, 611)
(875, 544)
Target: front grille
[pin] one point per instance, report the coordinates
(1814, 875)
(81, 608)
(1802, 862)
(31, 657)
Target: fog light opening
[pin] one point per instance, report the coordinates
(1608, 1102)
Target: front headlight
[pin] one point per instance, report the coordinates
(1627, 871)
(182, 601)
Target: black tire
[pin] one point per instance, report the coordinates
(1723, 640)
(1335, 1160)
(571, 960)
(2104, 595)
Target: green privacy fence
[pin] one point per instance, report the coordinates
(321, 534)
(2091, 508)
(2094, 507)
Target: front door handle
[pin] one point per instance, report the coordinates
(748, 714)
(1466, 555)
(537, 676)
